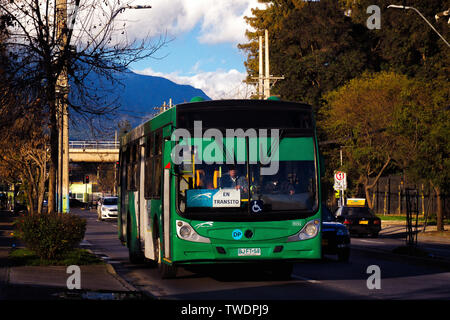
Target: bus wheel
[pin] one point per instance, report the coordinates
(166, 271)
(134, 252)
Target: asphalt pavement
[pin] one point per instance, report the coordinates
(104, 281)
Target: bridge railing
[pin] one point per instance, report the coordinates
(93, 145)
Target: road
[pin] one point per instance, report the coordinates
(327, 279)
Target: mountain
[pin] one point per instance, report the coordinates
(141, 94)
(137, 98)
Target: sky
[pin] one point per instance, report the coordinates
(202, 43)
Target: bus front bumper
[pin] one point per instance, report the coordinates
(246, 251)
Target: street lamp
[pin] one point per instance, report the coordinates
(395, 6)
(445, 13)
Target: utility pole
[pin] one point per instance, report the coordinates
(265, 81)
(267, 74)
(62, 91)
(260, 77)
(62, 85)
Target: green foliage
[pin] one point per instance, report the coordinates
(318, 48)
(405, 43)
(360, 116)
(79, 257)
(50, 236)
(425, 129)
(313, 44)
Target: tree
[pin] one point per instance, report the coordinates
(23, 158)
(424, 133)
(405, 44)
(313, 44)
(44, 48)
(361, 117)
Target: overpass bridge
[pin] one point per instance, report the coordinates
(93, 151)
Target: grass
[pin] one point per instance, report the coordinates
(395, 217)
(26, 257)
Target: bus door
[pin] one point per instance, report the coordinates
(141, 188)
(123, 193)
(166, 198)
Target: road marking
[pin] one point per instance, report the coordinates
(370, 241)
(304, 279)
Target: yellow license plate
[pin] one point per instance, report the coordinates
(364, 222)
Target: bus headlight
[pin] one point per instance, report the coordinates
(186, 232)
(309, 231)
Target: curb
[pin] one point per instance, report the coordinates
(112, 271)
(125, 283)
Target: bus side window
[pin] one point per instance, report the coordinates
(136, 166)
(158, 164)
(130, 152)
(149, 166)
(133, 167)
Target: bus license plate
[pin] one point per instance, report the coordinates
(249, 252)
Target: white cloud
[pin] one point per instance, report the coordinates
(219, 20)
(220, 84)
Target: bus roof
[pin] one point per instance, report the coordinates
(242, 103)
(260, 110)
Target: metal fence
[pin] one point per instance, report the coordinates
(94, 145)
(389, 197)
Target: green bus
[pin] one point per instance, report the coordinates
(224, 181)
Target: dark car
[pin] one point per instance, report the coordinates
(75, 203)
(359, 220)
(335, 236)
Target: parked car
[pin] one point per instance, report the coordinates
(107, 208)
(335, 236)
(75, 203)
(359, 220)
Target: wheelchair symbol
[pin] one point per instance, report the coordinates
(257, 206)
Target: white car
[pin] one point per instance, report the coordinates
(107, 208)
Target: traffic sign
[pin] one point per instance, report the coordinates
(340, 180)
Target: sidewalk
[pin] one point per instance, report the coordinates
(98, 282)
(390, 228)
(433, 247)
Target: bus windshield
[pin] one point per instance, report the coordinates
(243, 190)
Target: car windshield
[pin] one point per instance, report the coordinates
(244, 189)
(358, 212)
(110, 201)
